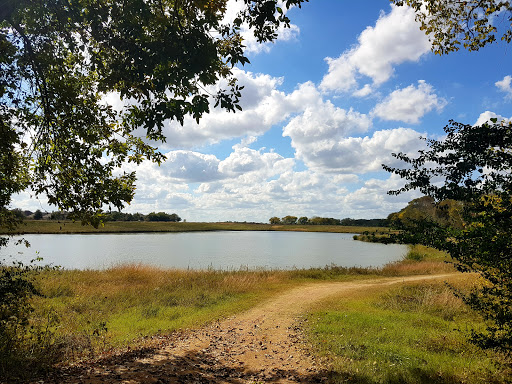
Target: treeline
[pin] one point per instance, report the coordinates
(293, 220)
(108, 216)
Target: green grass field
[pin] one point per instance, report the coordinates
(414, 333)
(50, 226)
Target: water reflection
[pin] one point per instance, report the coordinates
(201, 250)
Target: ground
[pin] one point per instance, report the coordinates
(264, 344)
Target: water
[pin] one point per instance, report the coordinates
(201, 250)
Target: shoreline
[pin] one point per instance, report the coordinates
(70, 227)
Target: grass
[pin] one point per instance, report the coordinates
(125, 305)
(413, 333)
(63, 226)
(389, 335)
(118, 307)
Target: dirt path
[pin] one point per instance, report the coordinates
(261, 345)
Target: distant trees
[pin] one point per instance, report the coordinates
(162, 216)
(121, 216)
(446, 212)
(275, 220)
(109, 216)
(303, 220)
(289, 220)
(315, 220)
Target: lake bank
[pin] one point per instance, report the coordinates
(70, 227)
(133, 310)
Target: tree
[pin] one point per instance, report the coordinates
(162, 216)
(472, 22)
(303, 220)
(289, 220)
(59, 59)
(38, 215)
(475, 166)
(274, 220)
(446, 212)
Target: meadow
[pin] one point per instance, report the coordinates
(65, 226)
(414, 333)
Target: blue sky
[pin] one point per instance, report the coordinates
(324, 106)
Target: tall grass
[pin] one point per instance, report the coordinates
(51, 226)
(94, 312)
(414, 333)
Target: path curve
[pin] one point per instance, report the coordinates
(263, 344)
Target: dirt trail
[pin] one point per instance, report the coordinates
(261, 345)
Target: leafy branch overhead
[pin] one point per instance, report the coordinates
(60, 59)
(468, 178)
(470, 23)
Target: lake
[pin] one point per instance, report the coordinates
(202, 250)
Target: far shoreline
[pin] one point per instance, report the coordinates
(71, 227)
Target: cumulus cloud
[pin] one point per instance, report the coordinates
(409, 104)
(263, 106)
(505, 85)
(372, 198)
(363, 92)
(395, 39)
(355, 154)
(488, 115)
(191, 166)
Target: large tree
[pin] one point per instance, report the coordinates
(60, 59)
(473, 166)
(470, 23)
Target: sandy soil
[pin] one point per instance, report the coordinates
(264, 344)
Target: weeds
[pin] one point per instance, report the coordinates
(27, 342)
(415, 333)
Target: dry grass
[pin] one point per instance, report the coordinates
(50, 226)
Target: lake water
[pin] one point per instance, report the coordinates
(201, 250)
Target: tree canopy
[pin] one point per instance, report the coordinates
(470, 23)
(60, 59)
(473, 166)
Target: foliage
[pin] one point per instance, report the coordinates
(446, 212)
(472, 23)
(23, 343)
(289, 220)
(324, 221)
(364, 222)
(409, 333)
(162, 216)
(121, 216)
(303, 220)
(60, 60)
(275, 220)
(475, 164)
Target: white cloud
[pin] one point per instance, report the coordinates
(372, 200)
(395, 39)
(354, 154)
(191, 166)
(505, 85)
(409, 104)
(363, 92)
(488, 115)
(263, 106)
(324, 122)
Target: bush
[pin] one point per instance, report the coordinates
(27, 346)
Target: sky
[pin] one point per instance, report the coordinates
(324, 107)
